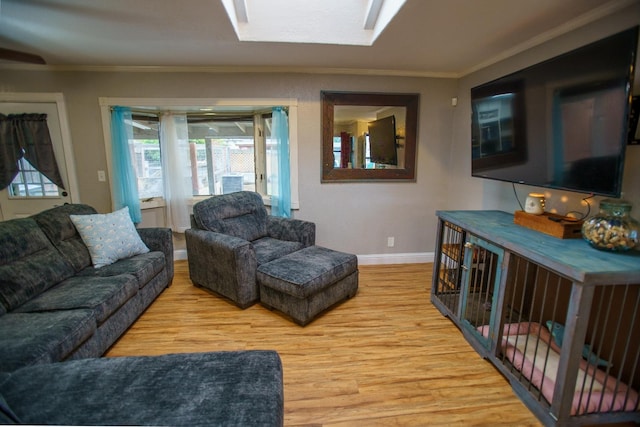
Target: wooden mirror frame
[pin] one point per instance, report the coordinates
(331, 99)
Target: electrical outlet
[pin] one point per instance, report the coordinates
(101, 176)
(391, 241)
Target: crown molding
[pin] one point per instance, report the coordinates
(224, 69)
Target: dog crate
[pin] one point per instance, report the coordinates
(567, 337)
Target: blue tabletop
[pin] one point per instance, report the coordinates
(573, 258)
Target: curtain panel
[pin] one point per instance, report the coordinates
(174, 146)
(281, 189)
(124, 179)
(26, 135)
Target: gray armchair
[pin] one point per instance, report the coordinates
(231, 236)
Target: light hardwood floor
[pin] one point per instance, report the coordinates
(385, 357)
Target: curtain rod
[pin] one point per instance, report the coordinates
(199, 113)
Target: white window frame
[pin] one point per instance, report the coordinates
(182, 103)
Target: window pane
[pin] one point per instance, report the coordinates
(271, 155)
(224, 153)
(31, 183)
(146, 157)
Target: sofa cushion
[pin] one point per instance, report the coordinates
(267, 249)
(29, 264)
(33, 338)
(109, 237)
(240, 214)
(58, 227)
(103, 295)
(241, 388)
(307, 271)
(143, 267)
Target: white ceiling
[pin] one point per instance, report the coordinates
(446, 38)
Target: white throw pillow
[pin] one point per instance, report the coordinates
(109, 237)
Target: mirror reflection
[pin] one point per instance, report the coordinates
(368, 136)
(498, 138)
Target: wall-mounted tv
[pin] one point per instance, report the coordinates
(561, 123)
(382, 141)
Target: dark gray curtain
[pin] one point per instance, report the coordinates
(26, 135)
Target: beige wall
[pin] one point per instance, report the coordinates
(477, 193)
(354, 217)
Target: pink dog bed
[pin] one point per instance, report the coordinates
(530, 348)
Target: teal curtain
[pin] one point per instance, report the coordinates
(124, 180)
(281, 191)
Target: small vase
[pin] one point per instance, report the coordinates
(613, 228)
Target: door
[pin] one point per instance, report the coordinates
(481, 279)
(30, 193)
(447, 277)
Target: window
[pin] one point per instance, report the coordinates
(224, 149)
(312, 21)
(31, 183)
(146, 155)
(222, 154)
(223, 135)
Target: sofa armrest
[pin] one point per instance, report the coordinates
(295, 230)
(226, 264)
(160, 239)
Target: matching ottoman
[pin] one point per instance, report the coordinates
(306, 282)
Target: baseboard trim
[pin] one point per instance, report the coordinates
(406, 258)
(179, 254)
(369, 259)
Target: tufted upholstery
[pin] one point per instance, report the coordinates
(240, 214)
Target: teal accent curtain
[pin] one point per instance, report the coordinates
(281, 190)
(124, 179)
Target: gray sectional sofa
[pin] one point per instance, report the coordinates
(54, 305)
(241, 389)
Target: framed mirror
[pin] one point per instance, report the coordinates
(369, 136)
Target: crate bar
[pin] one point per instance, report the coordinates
(577, 321)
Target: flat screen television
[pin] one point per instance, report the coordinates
(561, 123)
(382, 141)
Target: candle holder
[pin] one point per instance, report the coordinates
(535, 204)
